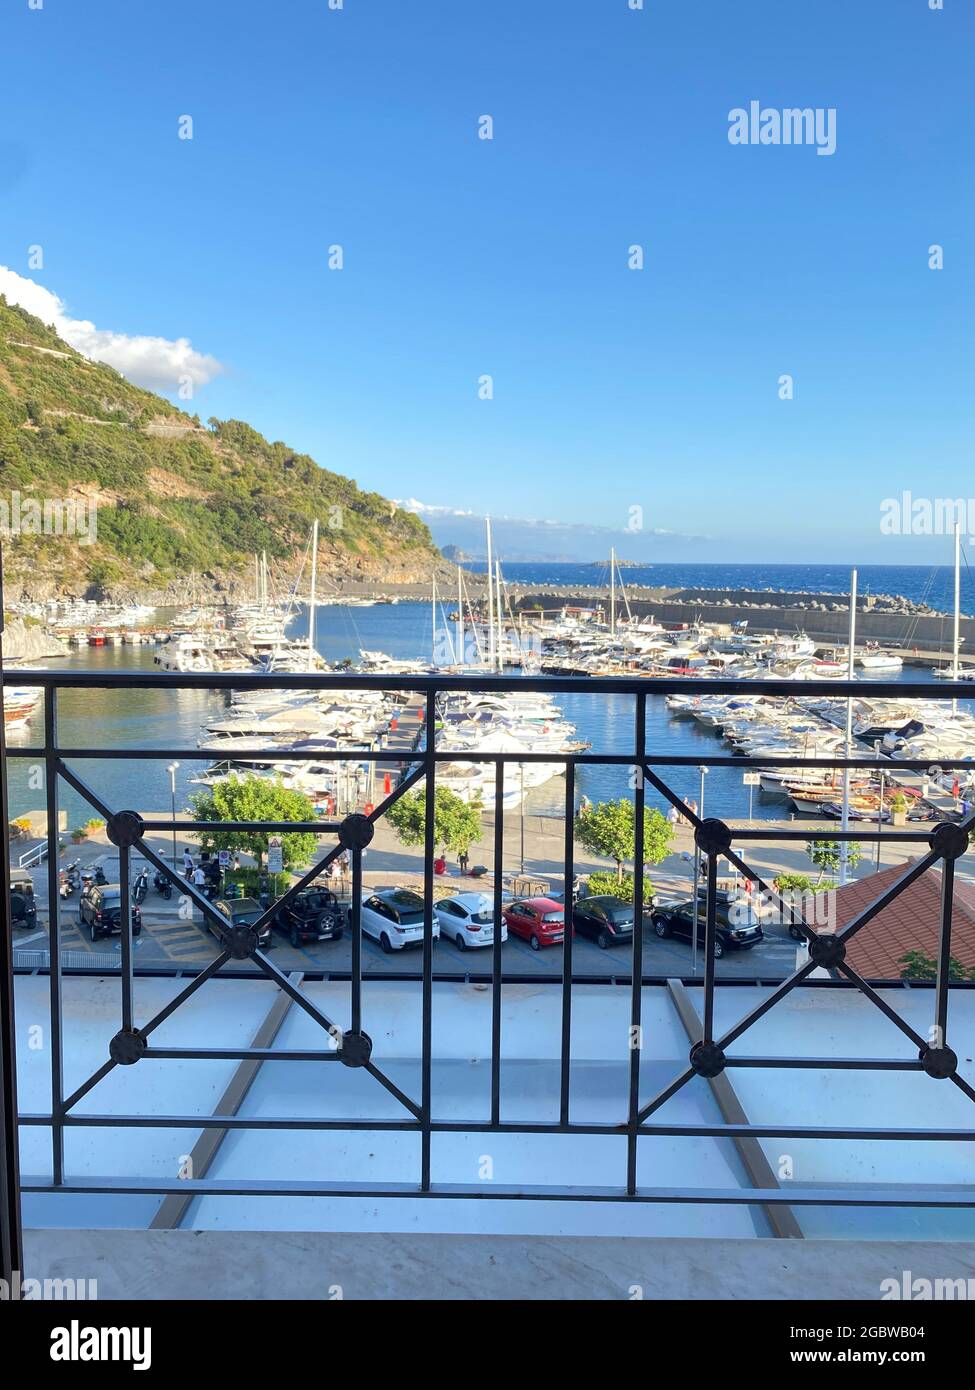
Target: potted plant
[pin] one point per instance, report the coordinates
(898, 809)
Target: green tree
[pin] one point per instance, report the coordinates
(252, 798)
(918, 966)
(456, 823)
(609, 830)
(622, 888)
(825, 854)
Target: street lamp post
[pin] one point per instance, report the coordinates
(521, 769)
(171, 769)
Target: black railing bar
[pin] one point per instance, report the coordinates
(292, 753)
(209, 970)
(785, 987)
(355, 922)
(944, 952)
(703, 1131)
(87, 1086)
(568, 873)
(861, 1196)
(496, 970)
(429, 849)
(54, 933)
(828, 1063)
(423, 684)
(866, 989)
(796, 919)
(662, 1097)
(912, 871)
(404, 1100)
(963, 1085)
(917, 837)
(274, 827)
(125, 914)
(710, 933)
(635, 1039)
(619, 979)
(242, 1054)
(283, 981)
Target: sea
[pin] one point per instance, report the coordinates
(167, 719)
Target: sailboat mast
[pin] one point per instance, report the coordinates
(460, 615)
(845, 822)
(500, 642)
(490, 580)
(612, 592)
(433, 620)
(956, 635)
(312, 595)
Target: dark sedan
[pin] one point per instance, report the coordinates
(242, 912)
(608, 920)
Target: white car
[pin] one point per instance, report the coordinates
(394, 918)
(467, 919)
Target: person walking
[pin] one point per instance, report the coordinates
(187, 864)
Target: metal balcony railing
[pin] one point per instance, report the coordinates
(348, 1043)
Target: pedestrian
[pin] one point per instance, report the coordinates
(440, 865)
(673, 815)
(462, 862)
(584, 805)
(199, 878)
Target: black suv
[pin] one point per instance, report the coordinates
(23, 911)
(736, 926)
(241, 912)
(313, 914)
(607, 919)
(101, 907)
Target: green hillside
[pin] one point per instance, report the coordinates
(175, 497)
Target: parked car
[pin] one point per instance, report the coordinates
(313, 914)
(736, 925)
(23, 910)
(394, 918)
(467, 919)
(608, 920)
(100, 906)
(539, 921)
(241, 912)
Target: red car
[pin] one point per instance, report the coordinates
(540, 921)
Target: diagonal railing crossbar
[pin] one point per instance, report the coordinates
(131, 1042)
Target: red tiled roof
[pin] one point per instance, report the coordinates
(911, 922)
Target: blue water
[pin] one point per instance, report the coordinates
(932, 585)
(167, 719)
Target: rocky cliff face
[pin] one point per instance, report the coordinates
(27, 642)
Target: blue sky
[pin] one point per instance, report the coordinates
(613, 388)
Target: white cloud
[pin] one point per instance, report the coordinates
(159, 364)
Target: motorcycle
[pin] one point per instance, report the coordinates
(141, 887)
(69, 879)
(163, 884)
(100, 875)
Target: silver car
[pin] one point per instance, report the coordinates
(467, 919)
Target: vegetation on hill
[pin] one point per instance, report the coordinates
(174, 496)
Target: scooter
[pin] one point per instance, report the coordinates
(69, 880)
(163, 884)
(100, 875)
(141, 887)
